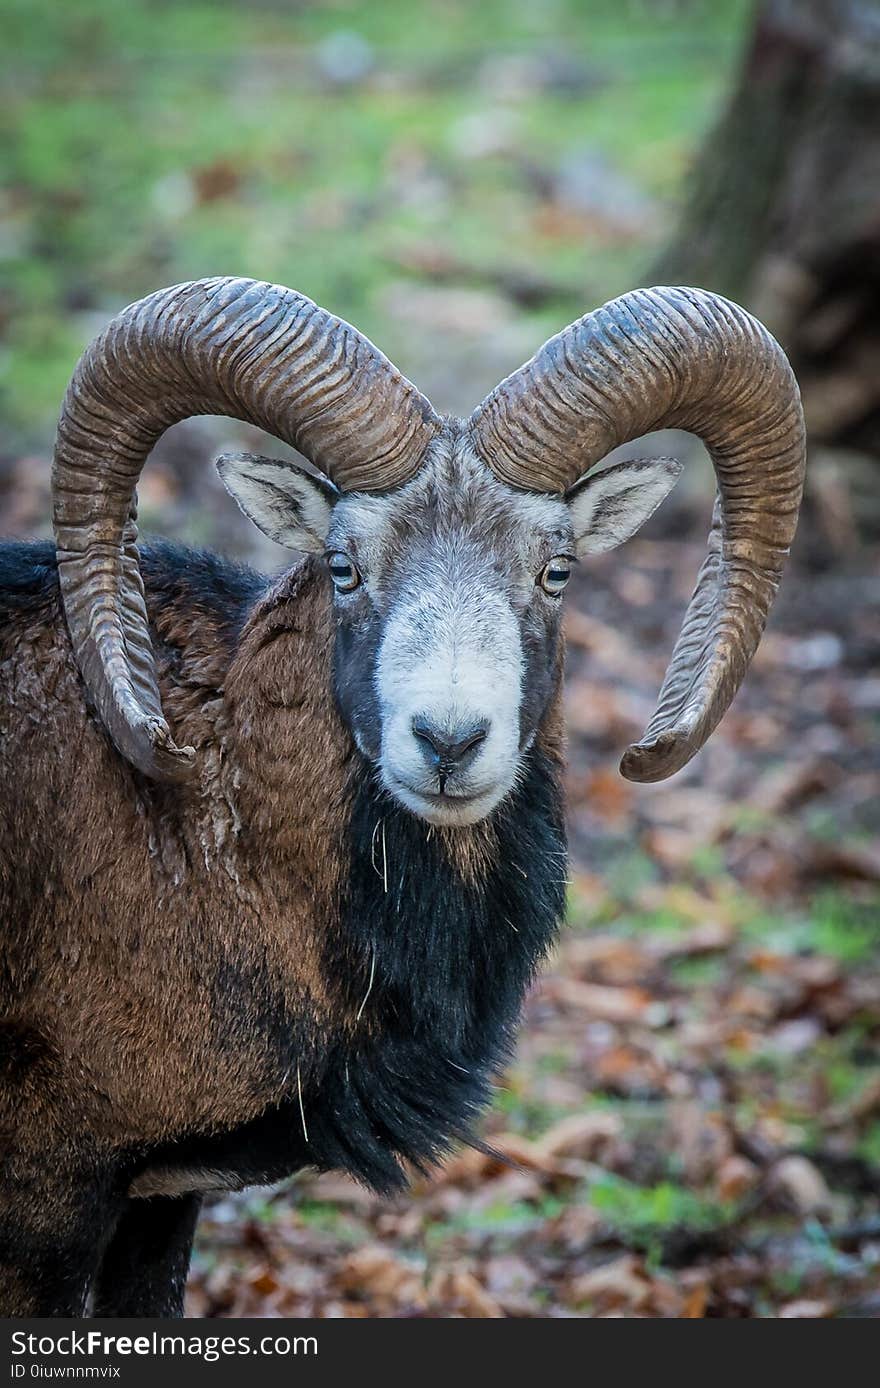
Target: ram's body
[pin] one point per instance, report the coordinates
(177, 963)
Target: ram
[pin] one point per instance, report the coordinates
(297, 929)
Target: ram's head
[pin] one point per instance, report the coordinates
(448, 543)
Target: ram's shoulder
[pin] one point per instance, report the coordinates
(198, 581)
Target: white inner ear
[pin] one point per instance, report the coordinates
(289, 505)
(608, 508)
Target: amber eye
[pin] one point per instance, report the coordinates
(554, 576)
(343, 572)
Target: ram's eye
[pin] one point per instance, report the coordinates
(343, 572)
(554, 576)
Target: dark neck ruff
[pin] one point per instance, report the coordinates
(440, 958)
(436, 958)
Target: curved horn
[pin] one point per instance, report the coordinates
(235, 347)
(671, 358)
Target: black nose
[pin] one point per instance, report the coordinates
(450, 747)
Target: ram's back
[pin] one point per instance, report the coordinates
(41, 706)
(197, 603)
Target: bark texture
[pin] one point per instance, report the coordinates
(784, 208)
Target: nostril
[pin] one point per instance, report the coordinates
(471, 741)
(431, 742)
(448, 748)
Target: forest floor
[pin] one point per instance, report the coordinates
(691, 1126)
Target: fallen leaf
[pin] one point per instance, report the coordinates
(695, 1303)
(616, 1283)
(379, 1274)
(801, 1185)
(702, 1140)
(598, 1000)
(735, 1176)
(579, 1135)
(608, 958)
(792, 784)
(459, 1288)
(710, 938)
(804, 1309)
(264, 1281)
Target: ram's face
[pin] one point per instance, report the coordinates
(447, 599)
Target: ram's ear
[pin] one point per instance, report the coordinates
(293, 507)
(608, 507)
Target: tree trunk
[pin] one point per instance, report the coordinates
(784, 208)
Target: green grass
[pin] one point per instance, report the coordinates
(500, 1218)
(847, 930)
(328, 1219)
(840, 926)
(868, 1147)
(524, 1112)
(696, 973)
(642, 1215)
(148, 142)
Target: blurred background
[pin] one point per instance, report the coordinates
(693, 1113)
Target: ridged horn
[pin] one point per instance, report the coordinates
(252, 351)
(671, 358)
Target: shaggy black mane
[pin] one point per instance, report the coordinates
(28, 577)
(173, 573)
(450, 959)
